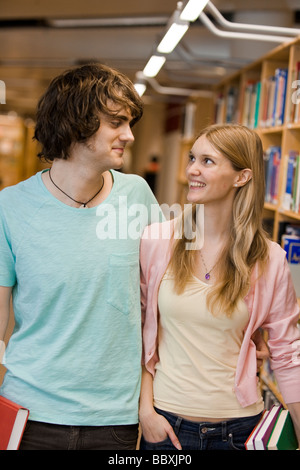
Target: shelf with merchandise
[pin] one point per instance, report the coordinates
(277, 107)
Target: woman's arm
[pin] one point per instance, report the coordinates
(5, 294)
(154, 426)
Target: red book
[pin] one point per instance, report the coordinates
(13, 419)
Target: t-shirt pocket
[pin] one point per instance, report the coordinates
(123, 281)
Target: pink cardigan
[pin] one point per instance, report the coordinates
(271, 302)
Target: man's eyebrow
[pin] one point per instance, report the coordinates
(121, 117)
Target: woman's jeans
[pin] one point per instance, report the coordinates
(44, 436)
(223, 435)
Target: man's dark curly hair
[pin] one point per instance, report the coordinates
(69, 110)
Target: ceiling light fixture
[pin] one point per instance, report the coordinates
(266, 29)
(164, 90)
(240, 35)
(192, 10)
(112, 22)
(140, 88)
(154, 65)
(179, 23)
(172, 37)
(176, 29)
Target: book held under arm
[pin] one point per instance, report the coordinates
(260, 437)
(275, 431)
(13, 419)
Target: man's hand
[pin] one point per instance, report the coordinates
(262, 351)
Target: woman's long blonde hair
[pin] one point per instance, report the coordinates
(247, 243)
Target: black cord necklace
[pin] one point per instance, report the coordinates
(83, 205)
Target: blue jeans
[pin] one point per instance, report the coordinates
(223, 435)
(44, 436)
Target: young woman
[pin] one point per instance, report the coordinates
(201, 307)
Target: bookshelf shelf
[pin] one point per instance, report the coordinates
(293, 126)
(290, 214)
(270, 207)
(271, 130)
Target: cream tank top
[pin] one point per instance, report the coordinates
(198, 354)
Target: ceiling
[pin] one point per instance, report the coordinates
(33, 50)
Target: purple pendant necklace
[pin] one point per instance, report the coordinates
(207, 275)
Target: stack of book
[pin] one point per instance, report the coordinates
(226, 106)
(232, 99)
(251, 100)
(275, 431)
(272, 158)
(274, 99)
(293, 113)
(290, 242)
(291, 179)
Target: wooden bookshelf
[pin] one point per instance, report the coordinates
(231, 98)
(284, 133)
(12, 137)
(18, 150)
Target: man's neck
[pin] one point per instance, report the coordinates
(70, 182)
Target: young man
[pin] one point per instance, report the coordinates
(69, 257)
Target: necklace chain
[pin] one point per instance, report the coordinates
(83, 204)
(207, 274)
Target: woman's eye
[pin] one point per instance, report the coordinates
(208, 161)
(191, 158)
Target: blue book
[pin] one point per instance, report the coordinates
(287, 203)
(272, 158)
(291, 245)
(279, 105)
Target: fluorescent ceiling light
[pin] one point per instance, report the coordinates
(140, 88)
(107, 22)
(154, 65)
(193, 9)
(172, 37)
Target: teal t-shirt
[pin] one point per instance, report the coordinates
(74, 357)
